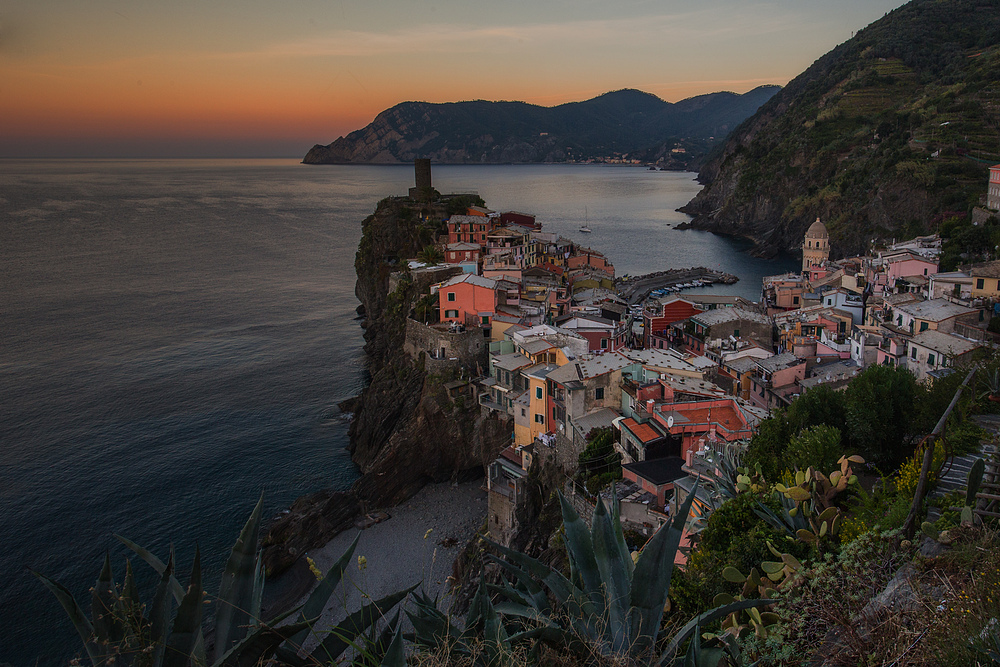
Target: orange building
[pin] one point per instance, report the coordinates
(468, 299)
(657, 317)
(468, 229)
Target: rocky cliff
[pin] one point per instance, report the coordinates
(884, 136)
(407, 431)
(624, 121)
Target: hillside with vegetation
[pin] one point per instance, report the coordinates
(619, 123)
(885, 136)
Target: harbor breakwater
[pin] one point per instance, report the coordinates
(636, 288)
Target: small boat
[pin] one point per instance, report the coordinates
(585, 229)
(586, 224)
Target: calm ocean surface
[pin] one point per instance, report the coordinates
(175, 335)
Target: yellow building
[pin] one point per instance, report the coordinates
(815, 246)
(986, 281)
(531, 416)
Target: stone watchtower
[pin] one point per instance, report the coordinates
(816, 245)
(422, 172)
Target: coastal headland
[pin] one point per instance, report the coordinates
(407, 429)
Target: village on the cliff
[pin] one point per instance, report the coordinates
(538, 332)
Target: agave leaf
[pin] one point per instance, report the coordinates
(493, 630)
(616, 520)
(257, 600)
(187, 623)
(431, 627)
(321, 594)
(258, 646)
(580, 547)
(130, 592)
(508, 608)
(561, 587)
(510, 593)
(651, 579)
(709, 616)
(340, 637)
(529, 588)
(159, 614)
(107, 628)
(614, 575)
(475, 619)
(232, 612)
(83, 626)
(395, 656)
(154, 563)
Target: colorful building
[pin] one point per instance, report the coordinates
(467, 299)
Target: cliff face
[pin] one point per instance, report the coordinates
(623, 121)
(407, 431)
(883, 136)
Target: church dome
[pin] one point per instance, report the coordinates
(817, 230)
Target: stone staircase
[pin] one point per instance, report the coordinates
(957, 473)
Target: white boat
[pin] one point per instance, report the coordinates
(585, 229)
(586, 222)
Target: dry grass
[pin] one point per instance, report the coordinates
(940, 607)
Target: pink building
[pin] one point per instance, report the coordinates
(993, 193)
(587, 258)
(458, 253)
(908, 264)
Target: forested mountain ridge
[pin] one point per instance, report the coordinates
(886, 135)
(619, 122)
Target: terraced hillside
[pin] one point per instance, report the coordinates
(887, 135)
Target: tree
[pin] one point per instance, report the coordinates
(818, 447)
(430, 255)
(459, 204)
(820, 405)
(880, 415)
(767, 448)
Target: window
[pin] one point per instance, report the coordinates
(930, 359)
(980, 282)
(539, 419)
(451, 313)
(795, 300)
(485, 319)
(913, 353)
(599, 393)
(925, 272)
(538, 392)
(451, 296)
(736, 332)
(604, 343)
(524, 413)
(923, 326)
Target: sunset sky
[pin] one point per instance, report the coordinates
(217, 78)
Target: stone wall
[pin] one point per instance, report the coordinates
(443, 349)
(425, 277)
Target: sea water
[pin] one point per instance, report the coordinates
(175, 336)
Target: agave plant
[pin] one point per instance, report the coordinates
(120, 630)
(609, 603)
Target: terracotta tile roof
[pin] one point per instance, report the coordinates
(644, 432)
